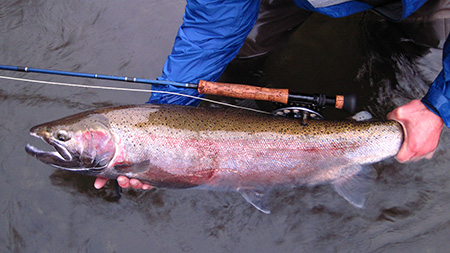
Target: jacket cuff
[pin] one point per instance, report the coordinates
(436, 99)
(163, 98)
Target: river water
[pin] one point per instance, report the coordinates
(46, 210)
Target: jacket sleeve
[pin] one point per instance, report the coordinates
(438, 97)
(209, 38)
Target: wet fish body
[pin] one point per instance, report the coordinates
(223, 149)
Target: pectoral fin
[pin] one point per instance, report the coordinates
(355, 188)
(158, 177)
(259, 198)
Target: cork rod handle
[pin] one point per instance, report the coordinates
(243, 91)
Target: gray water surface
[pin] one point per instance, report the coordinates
(46, 210)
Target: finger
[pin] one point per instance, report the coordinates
(391, 116)
(395, 114)
(426, 156)
(136, 184)
(123, 182)
(100, 182)
(405, 154)
(429, 155)
(404, 157)
(147, 187)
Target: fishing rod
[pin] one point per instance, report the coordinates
(306, 103)
(95, 76)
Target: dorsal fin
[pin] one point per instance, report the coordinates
(362, 116)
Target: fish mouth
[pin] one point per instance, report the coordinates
(60, 158)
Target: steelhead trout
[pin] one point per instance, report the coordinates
(225, 149)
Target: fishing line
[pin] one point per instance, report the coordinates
(129, 89)
(242, 91)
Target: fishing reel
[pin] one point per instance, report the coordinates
(298, 112)
(306, 107)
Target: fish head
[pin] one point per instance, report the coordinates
(82, 143)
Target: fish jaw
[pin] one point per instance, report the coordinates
(88, 151)
(54, 159)
(60, 158)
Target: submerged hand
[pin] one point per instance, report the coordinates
(124, 182)
(422, 129)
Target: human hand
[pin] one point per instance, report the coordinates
(422, 129)
(123, 182)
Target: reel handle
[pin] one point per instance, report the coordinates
(349, 104)
(346, 103)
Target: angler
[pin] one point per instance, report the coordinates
(174, 146)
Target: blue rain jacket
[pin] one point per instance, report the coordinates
(213, 32)
(438, 97)
(210, 37)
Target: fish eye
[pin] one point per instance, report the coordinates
(62, 135)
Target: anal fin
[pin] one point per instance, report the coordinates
(257, 197)
(355, 188)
